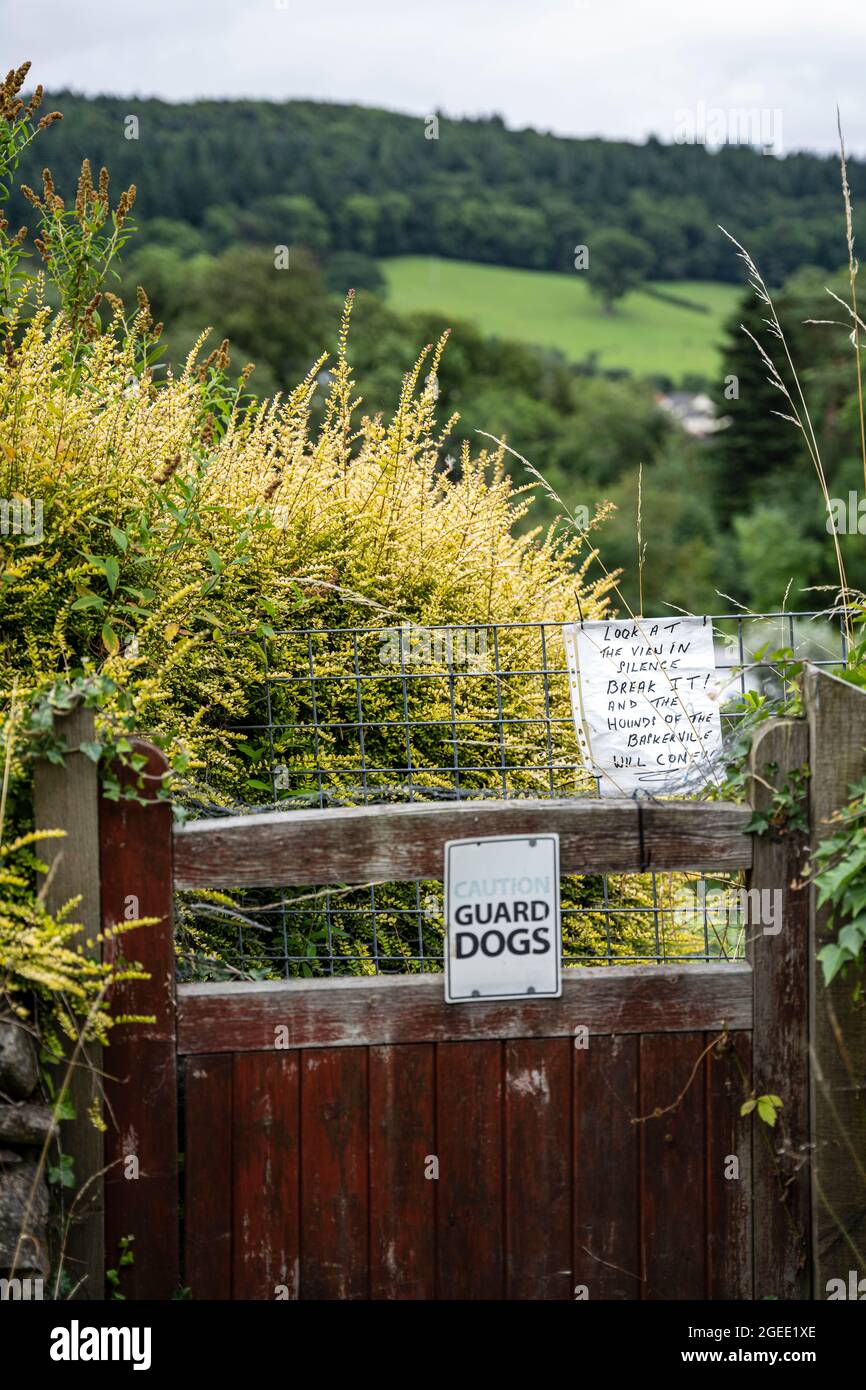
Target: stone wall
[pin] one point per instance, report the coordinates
(25, 1124)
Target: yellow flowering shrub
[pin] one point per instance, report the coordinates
(180, 523)
(43, 955)
(176, 528)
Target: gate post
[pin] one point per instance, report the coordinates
(780, 965)
(66, 797)
(141, 1181)
(837, 726)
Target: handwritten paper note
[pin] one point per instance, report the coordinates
(645, 699)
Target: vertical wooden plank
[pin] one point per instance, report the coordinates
(673, 1195)
(265, 1152)
(67, 798)
(780, 964)
(837, 727)
(470, 1196)
(207, 1205)
(606, 1148)
(402, 1193)
(538, 1168)
(334, 1173)
(141, 1198)
(729, 1169)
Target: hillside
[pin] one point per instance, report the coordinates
(354, 178)
(646, 336)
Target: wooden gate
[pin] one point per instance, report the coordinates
(358, 1138)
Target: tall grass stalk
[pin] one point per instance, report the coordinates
(852, 280)
(800, 415)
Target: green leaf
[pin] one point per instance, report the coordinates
(832, 882)
(832, 959)
(112, 572)
(64, 1108)
(766, 1110)
(855, 901)
(851, 939)
(88, 601)
(62, 1174)
(110, 640)
(120, 538)
(93, 751)
(828, 882)
(747, 1107)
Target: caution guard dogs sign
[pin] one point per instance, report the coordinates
(504, 939)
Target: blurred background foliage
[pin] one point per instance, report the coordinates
(343, 187)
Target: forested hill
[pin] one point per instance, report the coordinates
(354, 178)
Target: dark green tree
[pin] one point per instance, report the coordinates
(618, 263)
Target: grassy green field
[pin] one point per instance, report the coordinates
(644, 335)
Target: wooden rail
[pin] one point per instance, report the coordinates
(380, 844)
(410, 1008)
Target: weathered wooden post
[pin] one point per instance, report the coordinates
(836, 712)
(117, 855)
(66, 798)
(141, 1155)
(780, 1064)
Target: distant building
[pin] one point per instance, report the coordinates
(696, 414)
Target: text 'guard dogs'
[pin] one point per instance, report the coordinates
(504, 936)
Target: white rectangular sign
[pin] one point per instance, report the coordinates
(645, 697)
(503, 932)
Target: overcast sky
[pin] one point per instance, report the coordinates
(624, 68)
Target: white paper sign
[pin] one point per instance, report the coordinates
(504, 939)
(645, 699)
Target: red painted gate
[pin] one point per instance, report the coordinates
(358, 1138)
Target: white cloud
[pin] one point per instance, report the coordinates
(619, 68)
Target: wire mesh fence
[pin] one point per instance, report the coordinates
(365, 715)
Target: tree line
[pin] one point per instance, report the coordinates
(349, 178)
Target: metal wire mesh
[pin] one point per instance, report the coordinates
(364, 715)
